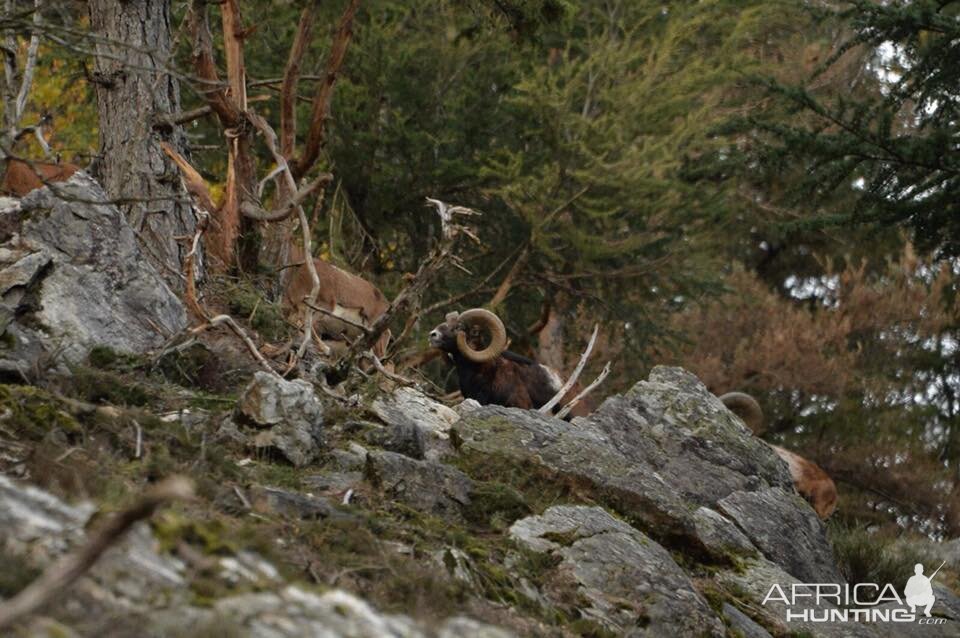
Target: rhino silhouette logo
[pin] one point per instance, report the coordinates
(919, 590)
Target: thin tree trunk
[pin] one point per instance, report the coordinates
(550, 351)
(132, 91)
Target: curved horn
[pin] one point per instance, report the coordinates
(745, 407)
(498, 335)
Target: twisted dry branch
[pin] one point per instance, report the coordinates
(65, 571)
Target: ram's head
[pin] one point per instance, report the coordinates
(477, 334)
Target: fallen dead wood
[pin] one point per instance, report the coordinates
(62, 573)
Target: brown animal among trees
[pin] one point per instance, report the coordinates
(343, 296)
(810, 480)
(21, 177)
(491, 374)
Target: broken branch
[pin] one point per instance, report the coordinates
(205, 67)
(324, 95)
(291, 77)
(69, 568)
(583, 393)
(549, 405)
(382, 370)
(424, 276)
(195, 184)
(251, 346)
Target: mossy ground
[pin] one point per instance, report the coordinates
(400, 559)
(392, 555)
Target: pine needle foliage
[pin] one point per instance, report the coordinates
(884, 152)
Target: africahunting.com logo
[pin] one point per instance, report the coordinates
(862, 602)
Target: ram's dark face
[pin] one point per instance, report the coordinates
(444, 337)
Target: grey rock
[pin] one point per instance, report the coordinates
(293, 612)
(463, 627)
(81, 280)
(632, 583)
(457, 564)
(741, 625)
(333, 483)
(754, 580)
(768, 516)
(658, 454)
(720, 535)
(427, 486)
(32, 517)
(406, 409)
(247, 567)
(343, 471)
(289, 504)
(135, 591)
(131, 578)
(403, 437)
(288, 414)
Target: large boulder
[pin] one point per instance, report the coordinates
(73, 276)
(286, 416)
(669, 456)
(631, 584)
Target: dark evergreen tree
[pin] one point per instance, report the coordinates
(884, 151)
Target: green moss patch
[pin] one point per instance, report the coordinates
(32, 414)
(266, 317)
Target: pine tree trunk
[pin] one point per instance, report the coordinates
(132, 91)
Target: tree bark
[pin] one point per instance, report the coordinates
(134, 89)
(551, 348)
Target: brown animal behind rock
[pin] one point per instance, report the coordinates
(342, 293)
(811, 481)
(21, 177)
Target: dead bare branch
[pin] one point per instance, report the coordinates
(233, 325)
(270, 137)
(289, 207)
(382, 370)
(418, 283)
(349, 322)
(291, 77)
(324, 95)
(62, 573)
(583, 393)
(262, 185)
(562, 392)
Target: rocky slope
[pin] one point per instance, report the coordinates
(385, 515)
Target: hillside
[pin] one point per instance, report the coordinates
(380, 513)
